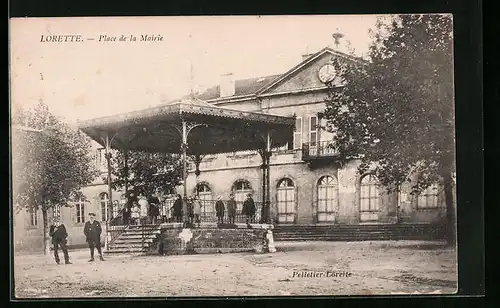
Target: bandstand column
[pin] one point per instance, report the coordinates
(197, 161)
(184, 168)
(265, 218)
(107, 155)
(266, 191)
(264, 184)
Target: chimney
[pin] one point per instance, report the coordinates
(226, 86)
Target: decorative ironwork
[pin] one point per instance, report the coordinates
(197, 158)
(319, 150)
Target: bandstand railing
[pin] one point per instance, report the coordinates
(208, 215)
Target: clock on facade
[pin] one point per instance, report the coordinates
(327, 73)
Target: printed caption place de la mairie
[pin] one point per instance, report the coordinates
(104, 38)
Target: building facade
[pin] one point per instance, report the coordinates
(308, 185)
(28, 224)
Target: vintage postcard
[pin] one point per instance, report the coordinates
(233, 156)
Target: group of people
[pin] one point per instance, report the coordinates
(139, 210)
(248, 209)
(194, 209)
(59, 235)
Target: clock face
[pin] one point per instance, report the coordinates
(327, 73)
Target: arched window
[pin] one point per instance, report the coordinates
(428, 198)
(207, 202)
(240, 190)
(327, 198)
(104, 201)
(369, 193)
(286, 201)
(80, 211)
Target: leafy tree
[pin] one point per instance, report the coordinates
(50, 163)
(396, 110)
(145, 172)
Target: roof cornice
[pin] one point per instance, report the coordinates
(306, 62)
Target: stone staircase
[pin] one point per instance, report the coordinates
(361, 232)
(131, 239)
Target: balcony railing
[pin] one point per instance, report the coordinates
(318, 150)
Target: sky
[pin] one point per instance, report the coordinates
(92, 78)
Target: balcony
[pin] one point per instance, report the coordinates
(323, 150)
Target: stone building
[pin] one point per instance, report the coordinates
(28, 224)
(308, 185)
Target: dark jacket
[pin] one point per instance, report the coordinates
(231, 207)
(154, 206)
(248, 207)
(92, 231)
(58, 234)
(177, 208)
(219, 208)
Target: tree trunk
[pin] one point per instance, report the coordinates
(450, 210)
(46, 237)
(126, 171)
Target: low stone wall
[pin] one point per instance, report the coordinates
(209, 238)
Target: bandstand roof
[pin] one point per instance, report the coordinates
(219, 130)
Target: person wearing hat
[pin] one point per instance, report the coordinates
(92, 231)
(231, 209)
(219, 210)
(249, 208)
(58, 234)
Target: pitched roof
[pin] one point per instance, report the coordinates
(305, 62)
(259, 84)
(242, 87)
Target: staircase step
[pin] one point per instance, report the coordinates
(356, 232)
(128, 245)
(131, 241)
(137, 236)
(139, 232)
(130, 251)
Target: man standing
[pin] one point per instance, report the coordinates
(92, 232)
(125, 210)
(154, 208)
(59, 235)
(249, 208)
(231, 209)
(219, 210)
